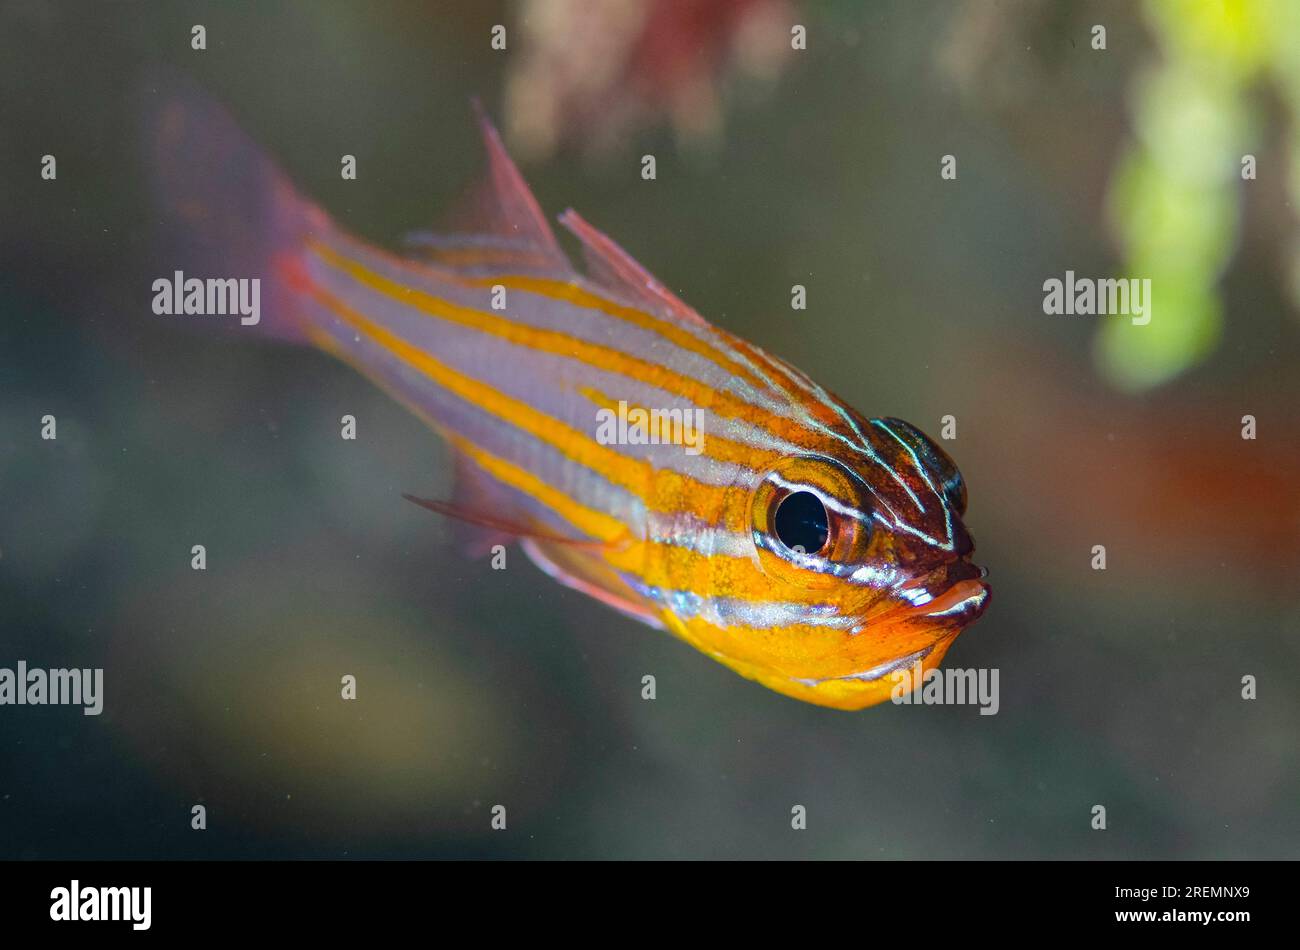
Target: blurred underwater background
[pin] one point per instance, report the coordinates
(1173, 153)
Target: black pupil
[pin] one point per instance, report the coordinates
(801, 522)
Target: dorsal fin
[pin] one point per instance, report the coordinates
(471, 253)
(517, 213)
(499, 224)
(616, 270)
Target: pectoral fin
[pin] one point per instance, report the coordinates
(586, 571)
(497, 525)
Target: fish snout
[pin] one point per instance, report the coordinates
(954, 593)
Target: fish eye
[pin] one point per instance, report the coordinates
(810, 507)
(801, 522)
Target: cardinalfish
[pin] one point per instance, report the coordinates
(804, 545)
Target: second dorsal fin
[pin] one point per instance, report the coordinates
(616, 270)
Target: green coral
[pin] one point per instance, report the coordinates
(1175, 196)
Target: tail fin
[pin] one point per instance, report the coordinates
(224, 208)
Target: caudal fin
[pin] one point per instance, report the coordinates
(224, 209)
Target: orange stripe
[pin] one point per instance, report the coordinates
(780, 369)
(636, 475)
(592, 522)
(714, 447)
(567, 292)
(566, 345)
(665, 491)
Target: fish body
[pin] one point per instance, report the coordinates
(774, 528)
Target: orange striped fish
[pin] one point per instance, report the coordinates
(802, 544)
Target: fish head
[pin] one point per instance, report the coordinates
(863, 570)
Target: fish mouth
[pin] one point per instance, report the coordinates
(945, 600)
(954, 593)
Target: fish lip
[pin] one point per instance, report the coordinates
(956, 593)
(969, 599)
